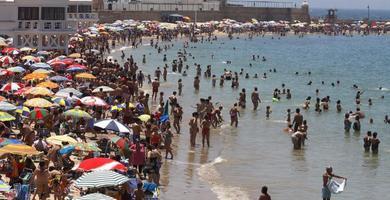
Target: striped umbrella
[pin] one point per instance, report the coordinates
(4, 117)
(58, 139)
(93, 101)
(40, 65)
(39, 91)
(39, 113)
(86, 147)
(7, 141)
(77, 113)
(95, 196)
(59, 78)
(6, 60)
(99, 163)
(19, 149)
(11, 87)
(38, 103)
(112, 125)
(23, 110)
(103, 178)
(17, 69)
(61, 101)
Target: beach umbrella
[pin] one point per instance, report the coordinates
(8, 50)
(102, 89)
(3, 43)
(16, 69)
(48, 84)
(5, 72)
(61, 101)
(40, 65)
(112, 125)
(99, 163)
(43, 53)
(6, 60)
(2, 98)
(95, 196)
(4, 187)
(77, 113)
(93, 101)
(67, 150)
(35, 76)
(92, 51)
(101, 178)
(75, 69)
(11, 87)
(5, 106)
(75, 55)
(68, 61)
(120, 142)
(5, 117)
(42, 71)
(23, 110)
(39, 113)
(77, 66)
(85, 76)
(59, 139)
(30, 57)
(59, 78)
(39, 91)
(21, 91)
(26, 49)
(7, 141)
(19, 149)
(117, 108)
(86, 147)
(66, 91)
(38, 103)
(144, 117)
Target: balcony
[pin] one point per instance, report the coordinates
(44, 26)
(82, 17)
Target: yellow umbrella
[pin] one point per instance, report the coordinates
(42, 71)
(59, 139)
(144, 117)
(41, 91)
(38, 102)
(85, 76)
(35, 76)
(29, 57)
(48, 84)
(19, 149)
(74, 55)
(26, 49)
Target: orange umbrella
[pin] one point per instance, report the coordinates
(38, 103)
(48, 84)
(19, 149)
(2, 98)
(85, 76)
(35, 76)
(41, 91)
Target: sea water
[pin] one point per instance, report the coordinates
(258, 152)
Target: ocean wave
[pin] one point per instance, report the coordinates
(209, 174)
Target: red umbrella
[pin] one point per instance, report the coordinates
(68, 61)
(4, 72)
(11, 87)
(8, 50)
(95, 164)
(58, 65)
(77, 65)
(21, 91)
(6, 60)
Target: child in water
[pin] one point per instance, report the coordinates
(268, 112)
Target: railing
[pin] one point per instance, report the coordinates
(82, 16)
(139, 6)
(39, 25)
(262, 4)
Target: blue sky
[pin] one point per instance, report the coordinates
(352, 4)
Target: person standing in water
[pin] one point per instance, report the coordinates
(375, 143)
(234, 114)
(179, 86)
(298, 120)
(326, 178)
(255, 99)
(367, 142)
(205, 125)
(196, 83)
(194, 129)
(264, 194)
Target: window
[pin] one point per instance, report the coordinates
(57, 25)
(47, 25)
(84, 9)
(35, 25)
(53, 13)
(20, 25)
(28, 25)
(72, 9)
(28, 13)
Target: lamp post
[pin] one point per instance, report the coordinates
(368, 13)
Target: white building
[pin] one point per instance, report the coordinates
(44, 24)
(162, 5)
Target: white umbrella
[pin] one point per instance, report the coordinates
(95, 196)
(66, 91)
(112, 125)
(98, 179)
(93, 101)
(103, 89)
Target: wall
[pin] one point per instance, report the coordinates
(236, 13)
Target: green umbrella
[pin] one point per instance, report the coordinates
(77, 113)
(39, 113)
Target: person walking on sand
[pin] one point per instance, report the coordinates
(264, 194)
(326, 178)
(155, 86)
(234, 114)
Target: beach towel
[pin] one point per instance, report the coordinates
(335, 187)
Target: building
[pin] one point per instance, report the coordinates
(202, 10)
(44, 24)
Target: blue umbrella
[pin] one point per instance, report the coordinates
(59, 78)
(164, 118)
(17, 69)
(75, 69)
(67, 150)
(5, 106)
(40, 66)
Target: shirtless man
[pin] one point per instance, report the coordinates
(242, 99)
(155, 86)
(298, 120)
(264, 194)
(41, 180)
(326, 194)
(205, 125)
(255, 99)
(234, 114)
(194, 129)
(177, 117)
